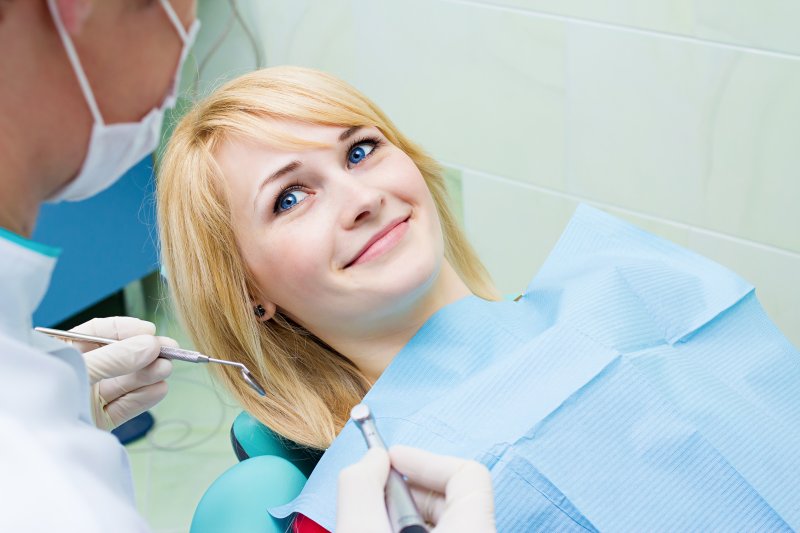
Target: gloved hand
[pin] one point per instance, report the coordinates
(452, 494)
(127, 378)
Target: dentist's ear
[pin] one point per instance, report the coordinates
(74, 13)
(264, 311)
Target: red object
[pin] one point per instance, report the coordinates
(303, 524)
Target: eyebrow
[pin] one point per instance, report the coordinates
(346, 134)
(286, 169)
(294, 165)
(291, 167)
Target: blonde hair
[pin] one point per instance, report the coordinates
(310, 387)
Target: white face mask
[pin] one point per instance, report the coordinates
(115, 148)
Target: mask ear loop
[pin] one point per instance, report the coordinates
(72, 54)
(173, 17)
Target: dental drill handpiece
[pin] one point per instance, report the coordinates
(403, 514)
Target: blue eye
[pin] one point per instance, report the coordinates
(360, 151)
(288, 199)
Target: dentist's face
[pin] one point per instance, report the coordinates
(339, 238)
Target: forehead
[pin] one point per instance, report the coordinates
(277, 139)
(295, 130)
(248, 157)
(289, 135)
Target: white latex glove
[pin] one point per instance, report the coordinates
(452, 494)
(127, 378)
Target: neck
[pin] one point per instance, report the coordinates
(39, 95)
(374, 352)
(19, 205)
(21, 172)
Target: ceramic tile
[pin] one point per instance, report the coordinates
(769, 24)
(308, 33)
(683, 132)
(222, 49)
(512, 227)
(673, 16)
(676, 233)
(456, 194)
(475, 87)
(775, 275)
(752, 188)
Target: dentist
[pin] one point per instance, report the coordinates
(83, 88)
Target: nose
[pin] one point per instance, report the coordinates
(360, 202)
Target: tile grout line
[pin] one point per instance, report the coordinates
(628, 29)
(633, 212)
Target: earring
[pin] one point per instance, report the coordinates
(259, 310)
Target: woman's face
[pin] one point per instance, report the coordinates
(340, 238)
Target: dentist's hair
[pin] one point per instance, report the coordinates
(310, 387)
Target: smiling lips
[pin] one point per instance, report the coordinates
(381, 242)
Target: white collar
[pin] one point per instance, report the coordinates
(25, 271)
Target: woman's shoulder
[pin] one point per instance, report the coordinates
(607, 272)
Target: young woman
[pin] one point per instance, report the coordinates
(306, 237)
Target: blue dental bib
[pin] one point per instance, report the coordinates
(636, 386)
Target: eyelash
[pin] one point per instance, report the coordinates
(296, 186)
(376, 143)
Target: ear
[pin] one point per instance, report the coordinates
(269, 309)
(74, 13)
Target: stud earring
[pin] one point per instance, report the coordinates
(259, 311)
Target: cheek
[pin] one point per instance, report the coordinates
(415, 186)
(416, 192)
(289, 265)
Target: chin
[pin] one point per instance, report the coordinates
(414, 278)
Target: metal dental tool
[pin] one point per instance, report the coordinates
(403, 514)
(166, 352)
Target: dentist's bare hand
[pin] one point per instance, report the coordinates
(452, 494)
(127, 377)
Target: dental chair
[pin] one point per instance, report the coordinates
(271, 471)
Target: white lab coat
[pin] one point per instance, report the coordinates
(57, 471)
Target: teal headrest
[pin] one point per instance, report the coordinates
(256, 439)
(238, 500)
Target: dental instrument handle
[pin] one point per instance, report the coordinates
(404, 516)
(166, 352)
